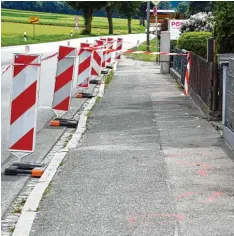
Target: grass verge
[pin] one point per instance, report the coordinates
(109, 77)
(47, 191)
(54, 27)
(144, 57)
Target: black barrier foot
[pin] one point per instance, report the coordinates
(84, 95)
(109, 67)
(63, 122)
(26, 166)
(93, 81)
(15, 170)
(104, 72)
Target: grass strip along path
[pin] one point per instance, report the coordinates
(55, 27)
(143, 47)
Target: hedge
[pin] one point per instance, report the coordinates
(195, 42)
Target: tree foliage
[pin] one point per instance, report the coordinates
(164, 5)
(88, 9)
(129, 9)
(183, 7)
(41, 6)
(201, 21)
(197, 6)
(224, 26)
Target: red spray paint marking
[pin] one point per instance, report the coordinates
(202, 164)
(162, 218)
(214, 196)
(184, 195)
(188, 154)
(202, 173)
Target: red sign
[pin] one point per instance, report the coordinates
(155, 10)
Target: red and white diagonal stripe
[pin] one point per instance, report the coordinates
(109, 45)
(119, 47)
(22, 130)
(187, 75)
(99, 42)
(63, 80)
(97, 62)
(84, 67)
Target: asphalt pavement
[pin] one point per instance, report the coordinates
(148, 164)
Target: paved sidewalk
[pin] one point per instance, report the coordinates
(149, 164)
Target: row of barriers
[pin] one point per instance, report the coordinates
(94, 60)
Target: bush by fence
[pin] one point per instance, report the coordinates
(195, 42)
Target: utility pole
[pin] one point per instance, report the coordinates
(148, 23)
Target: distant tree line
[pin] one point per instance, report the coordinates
(64, 8)
(41, 6)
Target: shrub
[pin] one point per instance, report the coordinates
(201, 21)
(194, 41)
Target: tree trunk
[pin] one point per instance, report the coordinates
(109, 12)
(129, 25)
(88, 15)
(110, 22)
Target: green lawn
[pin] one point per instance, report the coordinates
(143, 47)
(54, 27)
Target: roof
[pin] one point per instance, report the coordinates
(164, 11)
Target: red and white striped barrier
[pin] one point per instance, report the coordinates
(23, 108)
(99, 43)
(108, 55)
(63, 80)
(104, 40)
(83, 45)
(187, 75)
(119, 46)
(97, 59)
(84, 67)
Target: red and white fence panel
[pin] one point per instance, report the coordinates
(63, 80)
(84, 67)
(23, 107)
(119, 46)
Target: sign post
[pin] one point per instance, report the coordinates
(76, 23)
(156, 29)
(33, 20)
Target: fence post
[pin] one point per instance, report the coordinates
(210, 50)
(210, 98)
(224, 93)
(215, 86)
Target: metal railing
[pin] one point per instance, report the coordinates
(179, 63)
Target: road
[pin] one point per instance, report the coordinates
(46, 136)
